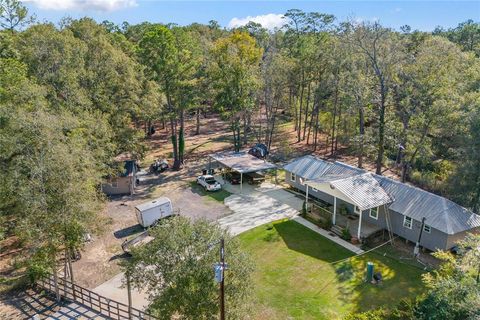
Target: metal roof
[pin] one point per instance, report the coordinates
(242, 161)
(440, 213)
(152, 204)
(363, 190)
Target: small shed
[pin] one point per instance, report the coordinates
(125, 181)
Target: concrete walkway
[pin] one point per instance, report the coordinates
(326, 234)
(114, 289)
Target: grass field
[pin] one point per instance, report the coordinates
(295, 277)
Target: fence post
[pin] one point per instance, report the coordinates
(127, 274)
(55, 280)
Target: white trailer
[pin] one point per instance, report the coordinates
(150, 212)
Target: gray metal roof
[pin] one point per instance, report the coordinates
(152, 204)
(242, 161)
(362, 189)
(440, 213)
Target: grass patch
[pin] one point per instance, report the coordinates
(219, 195)
(295, 277)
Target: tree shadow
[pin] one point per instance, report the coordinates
(308, 242)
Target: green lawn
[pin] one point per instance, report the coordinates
(294, 277)
(219, 195)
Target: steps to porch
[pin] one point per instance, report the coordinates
(337, 230)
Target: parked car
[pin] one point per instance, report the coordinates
(233, 177)
(149, 213)
(209, 183)
(259, 150)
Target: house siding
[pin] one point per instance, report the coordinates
(432, 241)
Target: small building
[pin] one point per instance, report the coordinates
(125, 181)
(371, 202)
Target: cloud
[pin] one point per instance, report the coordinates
(269, 21)
(85, 5)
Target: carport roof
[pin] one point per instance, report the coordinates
(242, 162)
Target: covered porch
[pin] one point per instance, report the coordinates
(361, 192)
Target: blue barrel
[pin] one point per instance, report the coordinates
(369, 272)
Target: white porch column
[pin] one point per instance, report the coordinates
(359, 225)
(241, 182)
(334, 210)
(306, 198)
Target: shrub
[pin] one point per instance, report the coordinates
(346, 234)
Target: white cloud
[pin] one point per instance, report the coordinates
(95, 5)
(269, 21)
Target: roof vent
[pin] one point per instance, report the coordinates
(331, 186)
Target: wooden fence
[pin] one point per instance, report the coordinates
(106, 307)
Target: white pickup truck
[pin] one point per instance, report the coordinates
(209, 183)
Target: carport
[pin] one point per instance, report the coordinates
(241, 162)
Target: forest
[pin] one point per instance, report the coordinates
(76, 94)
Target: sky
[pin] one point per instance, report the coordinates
(421, 15)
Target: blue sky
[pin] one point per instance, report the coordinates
(422, 15)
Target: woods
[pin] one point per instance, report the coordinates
(75, 95)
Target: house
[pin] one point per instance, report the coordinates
(372, 202)
(125, 181)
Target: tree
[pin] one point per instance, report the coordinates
(170, 58)
(377, 44)
(176, 269)
(13, 14)
(234, 74)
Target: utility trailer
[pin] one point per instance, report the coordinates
(149, 213)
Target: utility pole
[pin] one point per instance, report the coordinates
(222, 282)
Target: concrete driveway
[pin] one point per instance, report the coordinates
(256, 206)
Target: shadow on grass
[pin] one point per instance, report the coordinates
(308, 242)
(219, 195)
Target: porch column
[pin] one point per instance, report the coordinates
(359, 225)
(306, 198)
(241, 182)
(334, 210)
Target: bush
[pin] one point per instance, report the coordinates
(304, 209)
(326, 223)
(346, 234)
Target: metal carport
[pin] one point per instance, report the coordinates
(241, 162)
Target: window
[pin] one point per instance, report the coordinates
(374, 213)
(114, 183)
(356, 209)
(427, 228)
(292, 176)
(407, 222)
